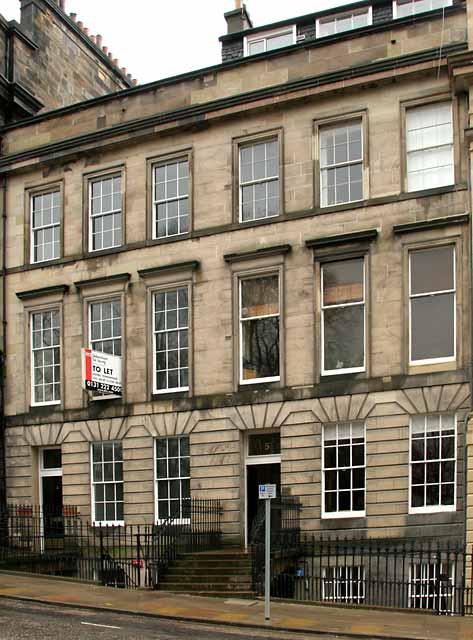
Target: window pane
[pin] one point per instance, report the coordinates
(52, 459)
(263, 444)
(260, 348)
(432, 270)
(344, 342)
(343, 282)
(259, 296)
(432, 327)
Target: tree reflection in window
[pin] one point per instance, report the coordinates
(343, 316)
(259, 321)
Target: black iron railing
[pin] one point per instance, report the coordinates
(59, 542)
(403, 574)
(285, 539)
(198, 528)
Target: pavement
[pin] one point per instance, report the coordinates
(347, 622)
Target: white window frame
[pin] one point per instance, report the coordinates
(241, 279)
(328, 515)
(427, 361)
(154, 294)
(335, 17)
(426, 580)
(104, 396)
(427, 149)
(434, 508)
(266, 180)
(168, 478)
(32, 362)
(34, 229)
(101, 523)
(347, 580)
(264, 35)
(396, 4)
(178, 198)
(337, 124)
(323, 307)
(91, 216)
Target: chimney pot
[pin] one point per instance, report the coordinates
(62, 4)
(134, 82)
(115, 62)
(105, 50)
(129, 76)
(86, 31)
(73, 16)
(123, 70)
(94, 39)
(80, 24)
(110, 55)
(98, 38)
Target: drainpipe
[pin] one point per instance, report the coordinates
(3, 486)
(470, 314)
(9, 71)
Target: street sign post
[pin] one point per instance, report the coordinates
(267, 492)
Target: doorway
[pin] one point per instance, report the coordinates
(50, 478)
(263, 466)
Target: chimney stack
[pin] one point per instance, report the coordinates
(98, 39)
(238, 19)
(73, 16)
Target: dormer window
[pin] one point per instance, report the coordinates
(270, 40)
(346, 21)
(404, 8)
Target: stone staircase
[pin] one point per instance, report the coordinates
(225, 573)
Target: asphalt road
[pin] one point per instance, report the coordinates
(30, 621)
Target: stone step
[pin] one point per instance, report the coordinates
(218, 594)
(200, 578)
(204, 587)
(180, 569)
(202, 565)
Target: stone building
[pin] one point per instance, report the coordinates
(50, 60)
(278, 247)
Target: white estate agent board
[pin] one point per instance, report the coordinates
(101, 372)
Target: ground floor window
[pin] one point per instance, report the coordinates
(172, 477)
(107, 482)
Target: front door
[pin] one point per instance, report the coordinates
(263, 466)
(51, 493)
(259, 474)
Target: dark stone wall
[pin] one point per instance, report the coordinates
(3, 48)
(382, 12)
(232, 50)
(63, 69)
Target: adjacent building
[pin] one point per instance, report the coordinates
(49, 60)
(278, 247)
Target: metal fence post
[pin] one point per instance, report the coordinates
(102, 557)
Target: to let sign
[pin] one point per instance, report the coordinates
(101, 372)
